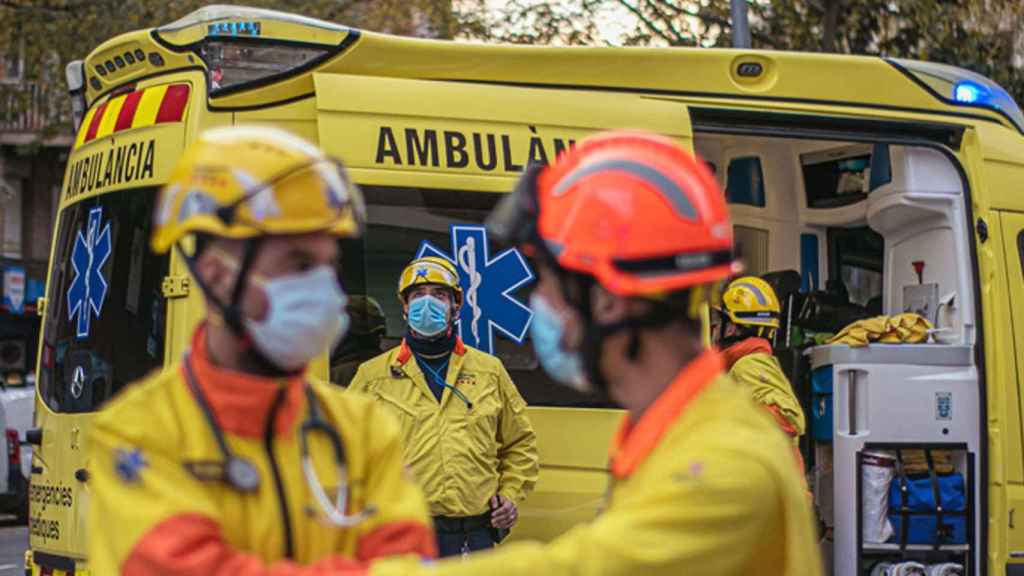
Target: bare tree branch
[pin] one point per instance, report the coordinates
(681, 39)
(650, 25)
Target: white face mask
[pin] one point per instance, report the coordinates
(307, 317)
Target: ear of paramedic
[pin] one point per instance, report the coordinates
(627, 257)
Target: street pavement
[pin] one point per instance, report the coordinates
(13, 542)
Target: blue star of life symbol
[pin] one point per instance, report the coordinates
(129, 465)
(487, 287)
(88, 288)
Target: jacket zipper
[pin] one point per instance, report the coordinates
(268, 443)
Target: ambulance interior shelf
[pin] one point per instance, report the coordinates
(915, 506)
(869, 402)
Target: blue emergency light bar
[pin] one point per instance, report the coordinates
(961, 87)
(250, 29)
(968, 92)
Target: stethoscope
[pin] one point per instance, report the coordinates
(242, 475)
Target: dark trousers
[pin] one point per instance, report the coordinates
(474, 540)
(457, 534)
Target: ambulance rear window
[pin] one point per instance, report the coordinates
(104, 325)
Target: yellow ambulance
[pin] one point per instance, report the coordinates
(858, 185)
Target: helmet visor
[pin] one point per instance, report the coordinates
(310, 197)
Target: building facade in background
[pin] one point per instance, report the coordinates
(31, 168)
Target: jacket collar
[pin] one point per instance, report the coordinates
(733, 353)
(405, 352)
(635, 441)
(401, 367)
(241, 402)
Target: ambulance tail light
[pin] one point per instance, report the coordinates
(13, 449)
(961, 87)
(74, 74)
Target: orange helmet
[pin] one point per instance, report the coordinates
(633, 210)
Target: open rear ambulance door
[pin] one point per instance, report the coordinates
(431, 158)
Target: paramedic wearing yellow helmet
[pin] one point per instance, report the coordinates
(232, 461)
(746, 323)
(630, 234)
(468, 441)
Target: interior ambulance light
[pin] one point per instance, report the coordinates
(962, 88)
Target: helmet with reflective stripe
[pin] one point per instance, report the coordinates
(633, 210)
(246, 182)
(750, 301)
(430, 270)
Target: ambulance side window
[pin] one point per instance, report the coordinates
(745, 182)
(104, 325)
(401, 220)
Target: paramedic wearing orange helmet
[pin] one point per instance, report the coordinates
(232, 461)
(630, 234)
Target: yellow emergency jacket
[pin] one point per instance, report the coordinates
(752, 365)
(703, 484)
(461, 455)
(159, 505)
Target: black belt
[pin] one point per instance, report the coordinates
(463, 524)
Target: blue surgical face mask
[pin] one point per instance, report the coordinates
(306, 317)
(546, 331)
(428, 315)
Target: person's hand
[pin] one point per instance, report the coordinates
(504, 513)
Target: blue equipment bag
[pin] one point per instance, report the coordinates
(913, 500)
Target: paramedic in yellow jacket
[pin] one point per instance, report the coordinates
(468, 441)
(630, 234)
(232, 461)
(745, 325)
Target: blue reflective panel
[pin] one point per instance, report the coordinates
(744, 182)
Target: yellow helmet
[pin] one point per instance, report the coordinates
(243, 182)
(430, 270)
(750, 301)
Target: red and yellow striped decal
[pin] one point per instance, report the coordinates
(156, 105)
